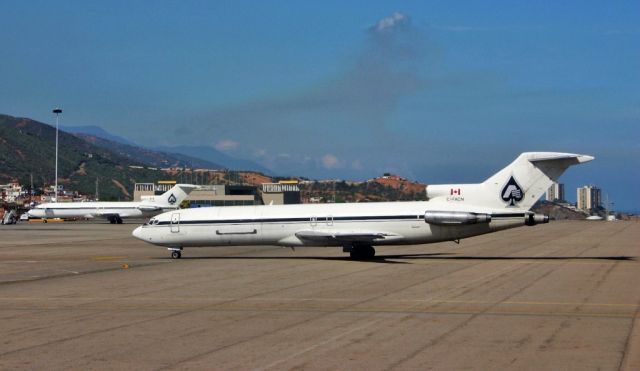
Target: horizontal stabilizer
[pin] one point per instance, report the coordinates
(544, 156)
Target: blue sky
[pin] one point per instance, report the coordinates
(432, 90)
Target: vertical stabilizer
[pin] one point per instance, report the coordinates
(525, 180)
(174, 196)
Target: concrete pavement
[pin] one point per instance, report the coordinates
(565, 295)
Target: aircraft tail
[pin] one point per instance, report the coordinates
(519, 185)
(526, 179)
(175, 195)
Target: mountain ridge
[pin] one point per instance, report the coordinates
(205, 156)
(27, 150)
(150, 157)
(206, 152)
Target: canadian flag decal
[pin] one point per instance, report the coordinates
(455, 192)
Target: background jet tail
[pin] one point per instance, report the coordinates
(526, 179)
(175, 195)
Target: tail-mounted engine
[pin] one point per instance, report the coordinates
(455, 218)
(533, 219)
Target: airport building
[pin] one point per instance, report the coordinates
(223, 195)
(206, 195)
(11, 192)
(555, 192)
(588, 197)
(281, 193)
(285, 192)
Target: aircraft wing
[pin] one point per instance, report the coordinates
(110, 213)
(107, 215)
(149, 207)
(344, 236)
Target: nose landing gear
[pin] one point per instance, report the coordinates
(176, 252)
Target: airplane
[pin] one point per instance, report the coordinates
(452, 212)
(115, 211)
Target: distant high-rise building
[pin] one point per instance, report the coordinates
(555, 192)
(588, 197)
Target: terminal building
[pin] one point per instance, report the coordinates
(286, 192)
(223, 195)
(282, 193)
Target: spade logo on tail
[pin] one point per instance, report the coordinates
(512, 192)
(172, 199)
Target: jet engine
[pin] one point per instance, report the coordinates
(533, 219)
(455, 218)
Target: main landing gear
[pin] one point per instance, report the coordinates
(360, 251)
(176, 252)
(115, 219)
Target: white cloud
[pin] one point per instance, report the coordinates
(330, 161)
(391, 21)
(226, 145)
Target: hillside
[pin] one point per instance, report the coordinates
(27, 147)
(96, 131)
(177, 156)
(147, 156)
(369, 191)
(213, 155)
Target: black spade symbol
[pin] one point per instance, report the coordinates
(172, 199)
(512, 192)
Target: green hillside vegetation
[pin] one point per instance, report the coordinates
(27, 147)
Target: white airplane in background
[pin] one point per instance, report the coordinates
(452, 212)
(115, 211)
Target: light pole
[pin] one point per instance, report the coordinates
(57, 111)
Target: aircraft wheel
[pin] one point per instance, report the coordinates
(362, 252)
(370, 252)
(176, 255)
(354, 254)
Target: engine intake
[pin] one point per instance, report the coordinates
(533, 219)
(455, 218)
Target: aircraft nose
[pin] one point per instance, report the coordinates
(137, 233)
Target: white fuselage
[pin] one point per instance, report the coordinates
(454, 211)
(96, 209)
(397, 223)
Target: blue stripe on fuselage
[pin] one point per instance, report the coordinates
(322, 219)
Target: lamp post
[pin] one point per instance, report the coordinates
(57, 111)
